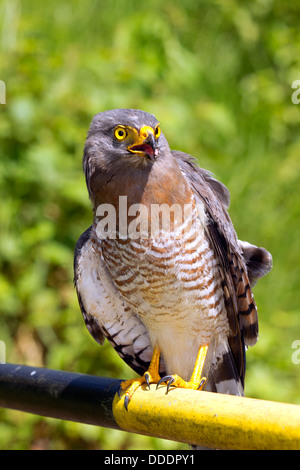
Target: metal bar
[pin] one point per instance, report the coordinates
(210, 419)
(200, 418)
(58, 394)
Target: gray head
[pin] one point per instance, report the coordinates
(126, 133)
(122, 142)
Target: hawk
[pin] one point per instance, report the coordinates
(175, 301)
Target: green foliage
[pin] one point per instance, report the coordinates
(218, 76)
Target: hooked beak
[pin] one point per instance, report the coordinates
(145, 143)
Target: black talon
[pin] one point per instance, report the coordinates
(165, 379)
(146, 376)
(119, 391)
(159, 382)
(202, 382)
(170, 383)
(126, 401)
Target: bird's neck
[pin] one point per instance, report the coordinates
(160, 183)
(126, 194)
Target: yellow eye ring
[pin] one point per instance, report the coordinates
(157, 132)
(120, 133)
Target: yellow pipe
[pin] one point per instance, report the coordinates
(210, 419)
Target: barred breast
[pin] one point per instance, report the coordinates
(172, 281)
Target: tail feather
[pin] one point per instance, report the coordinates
(246, 306)
(221, 372)
(258, 261)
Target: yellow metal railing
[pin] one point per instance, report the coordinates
(212, 420)
(194, 417)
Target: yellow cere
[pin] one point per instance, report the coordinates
(146, 130)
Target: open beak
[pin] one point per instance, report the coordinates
(145, 143)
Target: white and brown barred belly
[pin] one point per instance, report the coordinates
(173, 283)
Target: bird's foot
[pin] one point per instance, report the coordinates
(150, 376)
(176, 381)
(196, 381)
(130, 386)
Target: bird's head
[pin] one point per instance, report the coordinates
(122, 143)
(127, 134)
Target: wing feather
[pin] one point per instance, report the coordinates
(239, 302)
(105, 313)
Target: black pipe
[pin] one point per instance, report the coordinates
(58, 394)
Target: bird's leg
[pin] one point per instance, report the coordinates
(196, 381)
(150, 376)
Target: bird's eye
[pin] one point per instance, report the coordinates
(157, 132)
(120, 133)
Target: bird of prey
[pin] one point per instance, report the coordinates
(175, 301)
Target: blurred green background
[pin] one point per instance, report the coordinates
(218, 76)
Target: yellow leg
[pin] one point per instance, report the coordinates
(150, 376)
(196, 381)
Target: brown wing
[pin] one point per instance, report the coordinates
(240, 305)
